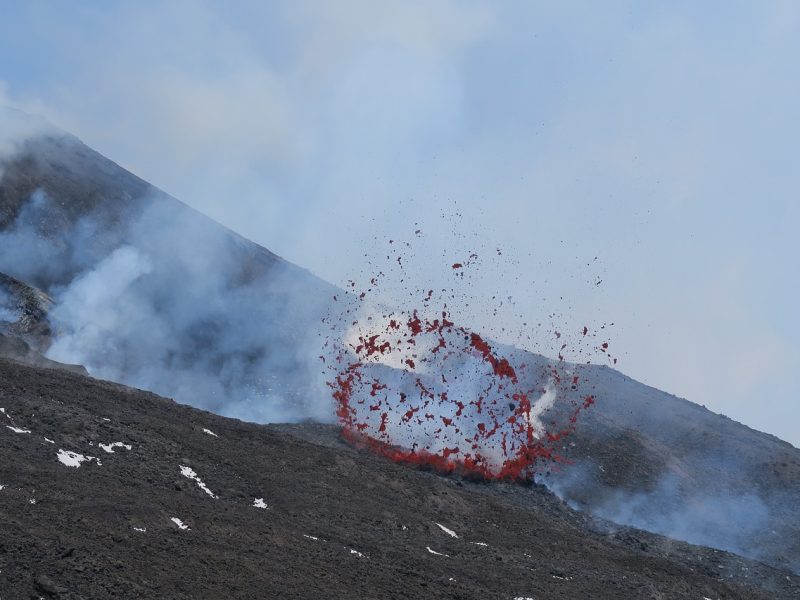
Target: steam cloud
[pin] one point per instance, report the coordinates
(730, 521)
(160, 299)
(16, 127)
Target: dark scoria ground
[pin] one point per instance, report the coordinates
(641, 456)
(339, 523)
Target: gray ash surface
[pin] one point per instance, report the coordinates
(339, 523)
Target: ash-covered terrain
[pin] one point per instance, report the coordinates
(104, 276)
(111, 492)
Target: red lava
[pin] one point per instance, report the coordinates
(493, 432)
(420, 390)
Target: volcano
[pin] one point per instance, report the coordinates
(105, 277)
(109, 492)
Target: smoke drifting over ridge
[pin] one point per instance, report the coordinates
(737, 521)
(16, 127)
(154, 295)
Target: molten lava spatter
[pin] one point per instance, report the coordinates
(457, 406)
(416, 388)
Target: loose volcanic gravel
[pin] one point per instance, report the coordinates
(111, 492)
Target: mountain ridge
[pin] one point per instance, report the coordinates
(198, 313)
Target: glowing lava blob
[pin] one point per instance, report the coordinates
(428, 392)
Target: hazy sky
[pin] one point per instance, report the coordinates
(661, 138)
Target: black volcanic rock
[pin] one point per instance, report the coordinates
(25, 331)
(23, 312)
(15, 349)
(338, 523)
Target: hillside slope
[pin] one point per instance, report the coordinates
(269, 514)
(149, 292)
(648, 459)
(103, 269)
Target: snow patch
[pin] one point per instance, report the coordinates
(189, 473)
(73, 459)
(428, 548)
(449, 532)
(480, 543)
(311, 537)
(209, 432)
(180, 523)
(49, 441)
(259, 503)
(357, 553)
(110, 447)
(142, 529)
(18, 430)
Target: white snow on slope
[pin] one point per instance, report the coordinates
(311, 537)
(73, 459)
(259, 503)
(13, 426)
(428, 548)
(449, 532)
(141, 529)
(18, 430)
(209, 432)
(179, 523)
(110, 447)
(189, 473)
(357, 553)
(49, 441)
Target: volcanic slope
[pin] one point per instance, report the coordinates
(218, 322)
(107, 491)
(658, 462)
(148, 291)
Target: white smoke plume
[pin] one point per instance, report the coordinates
(159, 297)
(16, 127)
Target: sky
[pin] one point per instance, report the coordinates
(650, 147)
